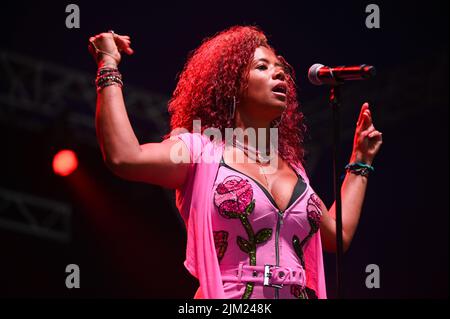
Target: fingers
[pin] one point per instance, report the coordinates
(103, 42)
(365, 117)
(115, 36)
(375, 133)
(124, 44)
(364, 107)
(370, 133)
(365, 123)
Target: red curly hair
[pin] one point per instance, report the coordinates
(218, 70)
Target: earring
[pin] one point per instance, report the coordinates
(233, 108)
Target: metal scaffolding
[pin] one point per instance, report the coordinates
(34, 94)
(33, 215)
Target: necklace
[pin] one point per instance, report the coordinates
(256, 155)
(264, 173)
(253, 153)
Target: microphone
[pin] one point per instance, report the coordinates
(319, 74)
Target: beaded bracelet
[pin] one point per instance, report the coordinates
(114, 81)
(359, 168)
(100, 81)
(107, 76)
(106, 70)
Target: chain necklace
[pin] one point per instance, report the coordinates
(265, 177)
(256, 155)
(253, 153)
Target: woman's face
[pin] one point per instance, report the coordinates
(265, 97)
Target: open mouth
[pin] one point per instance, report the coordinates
(280, 89)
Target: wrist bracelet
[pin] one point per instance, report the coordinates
(107, 76)
(359, 168)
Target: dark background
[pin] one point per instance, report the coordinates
(127, 237)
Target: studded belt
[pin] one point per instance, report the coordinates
(267, 275)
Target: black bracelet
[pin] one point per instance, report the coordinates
(359, 168)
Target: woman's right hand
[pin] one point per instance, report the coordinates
(106, 48)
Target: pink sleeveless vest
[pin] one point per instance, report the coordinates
(194, 201)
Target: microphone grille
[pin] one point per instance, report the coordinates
(313, 74)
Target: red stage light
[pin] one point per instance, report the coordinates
(65, 162)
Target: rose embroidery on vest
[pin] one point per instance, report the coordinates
(221, 243)
(314, 214)
(234, 199)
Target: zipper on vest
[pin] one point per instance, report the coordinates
(277, 248)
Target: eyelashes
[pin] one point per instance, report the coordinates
(261, 67)
(286, 68)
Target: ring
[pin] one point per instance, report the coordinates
(112, 32)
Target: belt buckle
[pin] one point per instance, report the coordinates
(268, 276)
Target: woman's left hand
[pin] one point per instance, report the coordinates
(368, 140)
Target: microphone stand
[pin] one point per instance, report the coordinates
(335, 102)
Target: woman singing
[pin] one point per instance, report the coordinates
(255, 226)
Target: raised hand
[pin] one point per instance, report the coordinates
(107, 47)
(367, 140)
